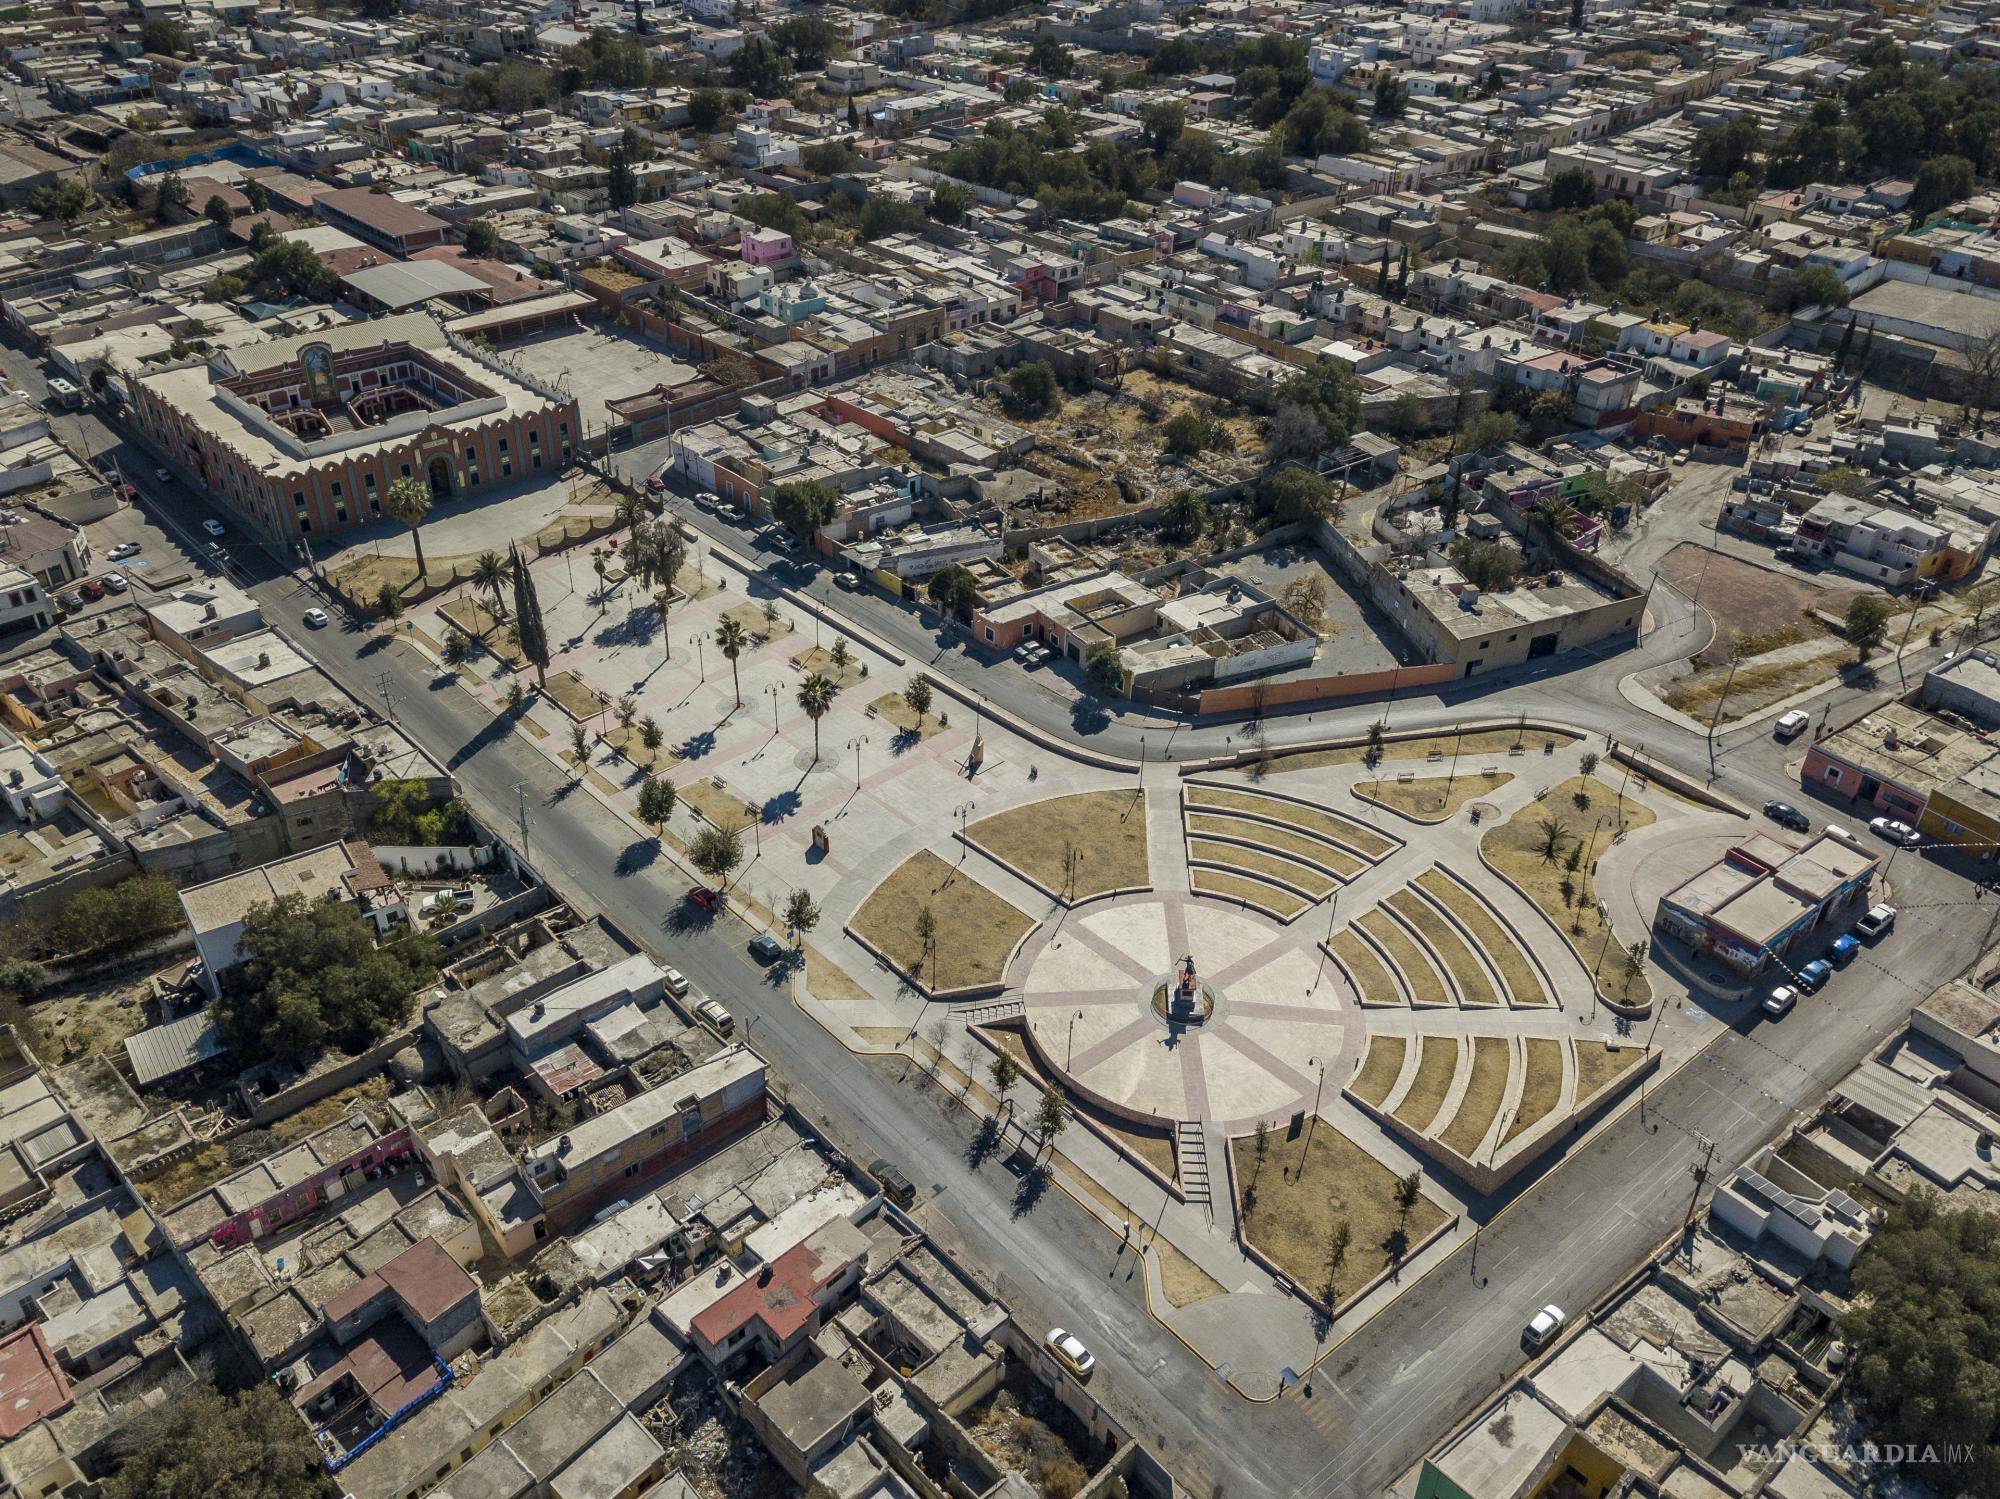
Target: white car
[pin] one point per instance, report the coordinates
(316, 618)
(115, 582)
(1070, 1352)
(214, 527)
(123, 550)
(164, 475)
(1876, 923)
(1780, 1000)
(1896, 832)
(1545, 1324)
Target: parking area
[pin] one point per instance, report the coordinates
(130, 544)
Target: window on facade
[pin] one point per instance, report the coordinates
(305, 523)
(506, 467)
(406, 471)
(340, 515)
(368, 482)
(503, 444)
(336, 490)
(562, 429)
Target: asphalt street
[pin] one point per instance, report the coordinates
(1390, 1389)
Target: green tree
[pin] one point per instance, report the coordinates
(22, 978)
(482, 239)
(116, 918)
(64, 200)
(807, 40)
(202, 1443)
(949, 202)
(289, 265)
(1490, 566)
(1162, 124)
(530, 634)
(1103, 668)
(1005, 1073)
(218, 212)
(164, 37)
(1183, 516)
(716, 851)
(917, 695)
(1941, 182)
(170, 195)
(1050, 57)
(1923, 1331)
(1051, 1119)
(731, 638)
(656, 803)
(409, 501)
(622, 185)
(1185, 434)
(312, 976)
(507, 87)
(883, 216)
(1032, 386)
(803, 506)
(801, 915)
(1328, 391)
(489, 573)
(706, 107)
(1295, 494)
(1391, 97)
(1572, 189)
(403, 810)
(1866, 624)
(954, 590)
(759, 67)
(1408, 1190)
(815, 698)
(1406, 416)
(1336, 1256)
(1489, 429)
(1815, 285)
(389, 602)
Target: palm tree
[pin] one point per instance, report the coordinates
(815, 697)
(660, 602)
(730, 638)
(631, 510)
(1551, 833)
(1554, 512)
(409, 501)
(489, 572)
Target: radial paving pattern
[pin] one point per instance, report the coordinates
(1088, 982)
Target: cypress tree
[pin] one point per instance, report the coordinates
(528, 625)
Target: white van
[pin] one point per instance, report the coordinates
(1790, 725)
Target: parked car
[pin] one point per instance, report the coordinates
(1876, 923)
(1544, 1325)
(849, 581)
(214, 527)
(676, 983)
(1780, 1000)
(1790, 725)
(1896, 832)
(702, 896)
(90, 589)
(765, 948)
(895, 1186)
(714, 1016)
(657, 482)
(1785, 815)
(1812, 978)
(123, 550)
(1843, 950)
(115, 582)
(1069, 1351)
(164, 475)
(316, 618)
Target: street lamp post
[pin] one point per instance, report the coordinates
(1069, 1050)
(773, 691)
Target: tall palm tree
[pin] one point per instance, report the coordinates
(731, 637)
(815, 697)
(631, 510)
(409, 501)
(1554, 512)
(660, 602)
(489, 572)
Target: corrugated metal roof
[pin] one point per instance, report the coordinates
(173, 1048)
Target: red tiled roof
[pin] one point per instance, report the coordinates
(780, 1295)
(423, 1277)
(31, 1382)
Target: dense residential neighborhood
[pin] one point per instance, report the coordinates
(1133, 749)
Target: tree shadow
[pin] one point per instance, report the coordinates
(697, 744)
(636, 628)
(781, 806)
(638, 855)
(496, 729)
(905, 741)
(563, 792)
(983, 1143)
(685, 917)
(1395, 1246)
(1028, 1195)
(1089, 717)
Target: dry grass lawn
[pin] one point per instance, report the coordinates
(1524, 984)
(1598, 1066)
(1514, 847)
(1238, 888)
(813, 659)
(1349, 834)
(186, 1176)
(1435, 1066)
(976, 931)
(892, 710)
(1261, 865)
(827, 980)
(1380, 1067)
(1370, 977)
(1479, 742)
(1432, 798)
(1447, 947)
(628, 744)
(1541, 1086)
(715, 803)
(1427, 987)
(1337, 861)
(1293, 1209)
(476, 620)
(1106, 829)
(576, 698)
(1483, 1092)
(1184, 1281)
(755, 624)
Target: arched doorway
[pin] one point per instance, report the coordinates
(440, 478)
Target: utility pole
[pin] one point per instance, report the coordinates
(1699, 1170)
(1716, 717)
(521, 793)
(1903, 644)
(386, 685)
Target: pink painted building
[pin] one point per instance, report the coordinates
(765, 246)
